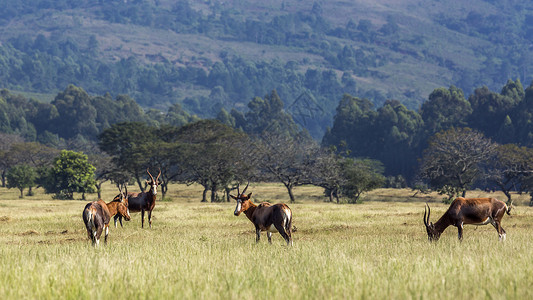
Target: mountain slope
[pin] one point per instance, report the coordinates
(380, 49)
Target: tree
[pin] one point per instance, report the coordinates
(354, 124)
(510, 168)
(453, 160)
(267, 115)
(21, 177)
(444, 109)
(327, 172)
(6, 141)
(489, 111)
(211, 155)
(76, 113)
(129, 145)
(285, 159)
(361, 175)
(70, 173)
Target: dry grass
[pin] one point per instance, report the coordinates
(377, 249)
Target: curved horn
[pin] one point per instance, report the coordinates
(150, 174)
(157, 178)
(238, 192)
(426, 220)
(244, 191)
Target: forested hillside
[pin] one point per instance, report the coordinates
(211, 55)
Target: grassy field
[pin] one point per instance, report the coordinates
(377, 249)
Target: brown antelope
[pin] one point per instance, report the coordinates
(96, 216)
(265, 216)
(462, 211)
(143, 201)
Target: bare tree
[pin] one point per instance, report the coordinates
(327, 173)
(286, 159)
(510, 168)
(452, 161)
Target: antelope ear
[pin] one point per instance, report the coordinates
(249, 195)
(233, 197)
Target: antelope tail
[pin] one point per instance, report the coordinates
(90, 219)
(288, 224)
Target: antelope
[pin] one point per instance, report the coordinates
(96, 216)
(265, 216)
(143, 201)
(475, 211)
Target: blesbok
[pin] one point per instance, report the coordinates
(97, 214)
(462, 211)
(265, 216)
(143, 201)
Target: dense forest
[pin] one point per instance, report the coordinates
(215, 55)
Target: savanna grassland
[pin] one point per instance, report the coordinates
(375, 250)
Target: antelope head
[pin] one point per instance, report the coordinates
(433, 234)
(122, 207)
(153, 183)
(242, 199)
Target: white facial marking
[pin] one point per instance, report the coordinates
(106, 230)
(238, 208)
(154, 189)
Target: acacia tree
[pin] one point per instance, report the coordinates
(510, 169)
(129, 145)
(211, 155)
(327, 173)
(453, 160)
(284, 158)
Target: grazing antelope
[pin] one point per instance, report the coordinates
(96, 216)
(143, 201)
(265, 216)
(475, 211)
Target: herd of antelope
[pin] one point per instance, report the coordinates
(278, 217)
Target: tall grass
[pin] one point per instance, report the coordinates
(201, 251)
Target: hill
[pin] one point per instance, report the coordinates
(210, 55)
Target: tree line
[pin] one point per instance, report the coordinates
(389, 146)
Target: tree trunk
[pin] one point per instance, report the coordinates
(3, 178)
(164, 189)
(289, 189)
(138, 179)
(99, 190)
(213, 193)
(331, 195)
(21, 194)
(204, 194)
(464, 193)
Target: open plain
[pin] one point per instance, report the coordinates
(374, 250)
